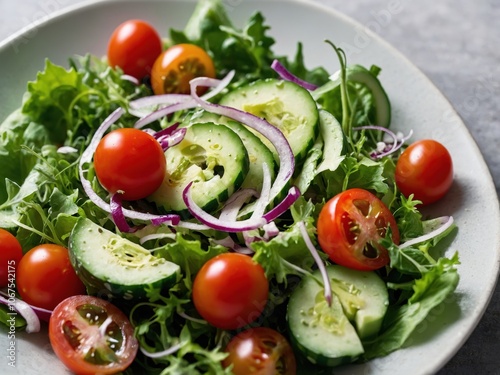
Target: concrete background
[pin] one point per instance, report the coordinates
(456, 43)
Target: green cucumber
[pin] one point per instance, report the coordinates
(364, 298)
(321, 332)
(360, 75)
(114, 267)
(283, 104)
(258, 152)
(211, 156)
(333, 335)
(334, 142)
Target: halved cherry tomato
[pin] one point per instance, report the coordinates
(350, 226)
(134, 47)
(11, 253)
(45, 276)
(130, 161)
(260, 351)
(230, 291)
(179, 64)
(425, 169)
(92, 336)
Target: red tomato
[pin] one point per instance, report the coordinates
(230, 290)
(92, 336)
(260, 351)
(179, 64)
(130, 161)
(45, 276)
(425, 169)
(134, 47)
(10, 255)
(350, 226)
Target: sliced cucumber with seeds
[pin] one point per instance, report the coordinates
(333, 335)
(321, 332)
(114, 267)
(211, 156)
(283, 104)
(364, 298)
(258, 152)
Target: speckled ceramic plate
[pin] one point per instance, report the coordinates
(416, 104)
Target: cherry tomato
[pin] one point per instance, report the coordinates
(10, 255)
(92, 336)
(45, 276)
(230, 290)
(425, 169)
(260, 351)
(130, 161)
(134, 47)
(350, 226)
(179, 64)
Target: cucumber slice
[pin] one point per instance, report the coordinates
(334, 142)
(321, 332)
(116, 267)
(325, 334)
(258, 152)
(361, 75)
(213, 157)
(364, 298)
(283, 104)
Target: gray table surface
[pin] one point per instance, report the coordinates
(456, 43)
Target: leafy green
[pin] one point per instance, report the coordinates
(431, 290)
(189, 255)
(11, 318)
(15, 131)
(247, 51)
(160, 325)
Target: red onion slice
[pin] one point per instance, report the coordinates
(130, 78)
(175, 102)
(447, 221)
(288, 76)
(25, 310)
(215, 223)
(117, 214)
(233, 205)
(265, 192)
(319, 262)
(166, 131)
(158, 100)
(165, 111)
(164, 353)
(385, 151)
(284, 205)
(170, 140)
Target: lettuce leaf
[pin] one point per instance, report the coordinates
(430, 291)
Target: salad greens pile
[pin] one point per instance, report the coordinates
(41, 196)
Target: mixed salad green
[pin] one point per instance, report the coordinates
(340, 143)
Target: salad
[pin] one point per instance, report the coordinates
(198, 204)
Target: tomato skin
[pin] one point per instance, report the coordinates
(230, 290)
(45, 276)
(350, 226)
(134, 47)
(130, 161)
(425, 169)
(68, 327)
(260, 351)
(11, 253)
(179, 64)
